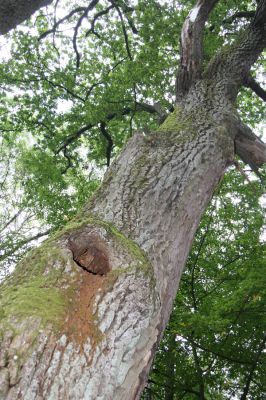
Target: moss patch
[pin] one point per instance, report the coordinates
(37, 288)
(32, 299)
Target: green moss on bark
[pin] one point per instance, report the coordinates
(32, 298)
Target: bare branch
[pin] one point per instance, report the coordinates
(253, 85)
(78, 25)
(95, 18)
(124, 30)
(60, 21)
(191, 46)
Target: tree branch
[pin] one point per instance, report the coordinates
(253, 85)
(23, 242)
(231, 67)
(96, 16)
(127, 110)
(250, 148)
(123, 29)
(60, 21)
(110, 143)
(78, 25)
(191, 46)
(252, 370)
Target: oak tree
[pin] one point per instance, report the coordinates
(82, 315)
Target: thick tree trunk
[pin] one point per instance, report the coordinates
(84, 312)
(13, 12)
(81, 316)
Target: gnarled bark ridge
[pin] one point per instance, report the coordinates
(84, 312)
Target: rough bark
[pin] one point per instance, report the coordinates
(13, 12)
(82, 315)
(140, 226)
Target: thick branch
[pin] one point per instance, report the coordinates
(191, 46)
(124, 30)
(231, 68)
(250, 147)
(110, 143)
(253, 85)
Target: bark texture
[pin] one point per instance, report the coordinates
(141, 224)
(82, 315)
(13, 12)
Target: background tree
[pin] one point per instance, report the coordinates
(75, 321)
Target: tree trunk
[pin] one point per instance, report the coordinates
(84, 312)
(82, 315)
(13, 12)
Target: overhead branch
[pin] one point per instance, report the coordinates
(139, 107)
(90, 7)
(73, 137)
(191, 46)
(22, 243)
(89, 91)
(254, 85)
(253, 368)
(232, 65)
(59, 86)
(110, 143)
(95, 18)
(123, 29)
(238, 15)
(69, 161)
(217, 353)
(61, 20)
(12, 219)
(250, 148)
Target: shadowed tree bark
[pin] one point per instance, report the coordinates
(82, 314)
(13, 12)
